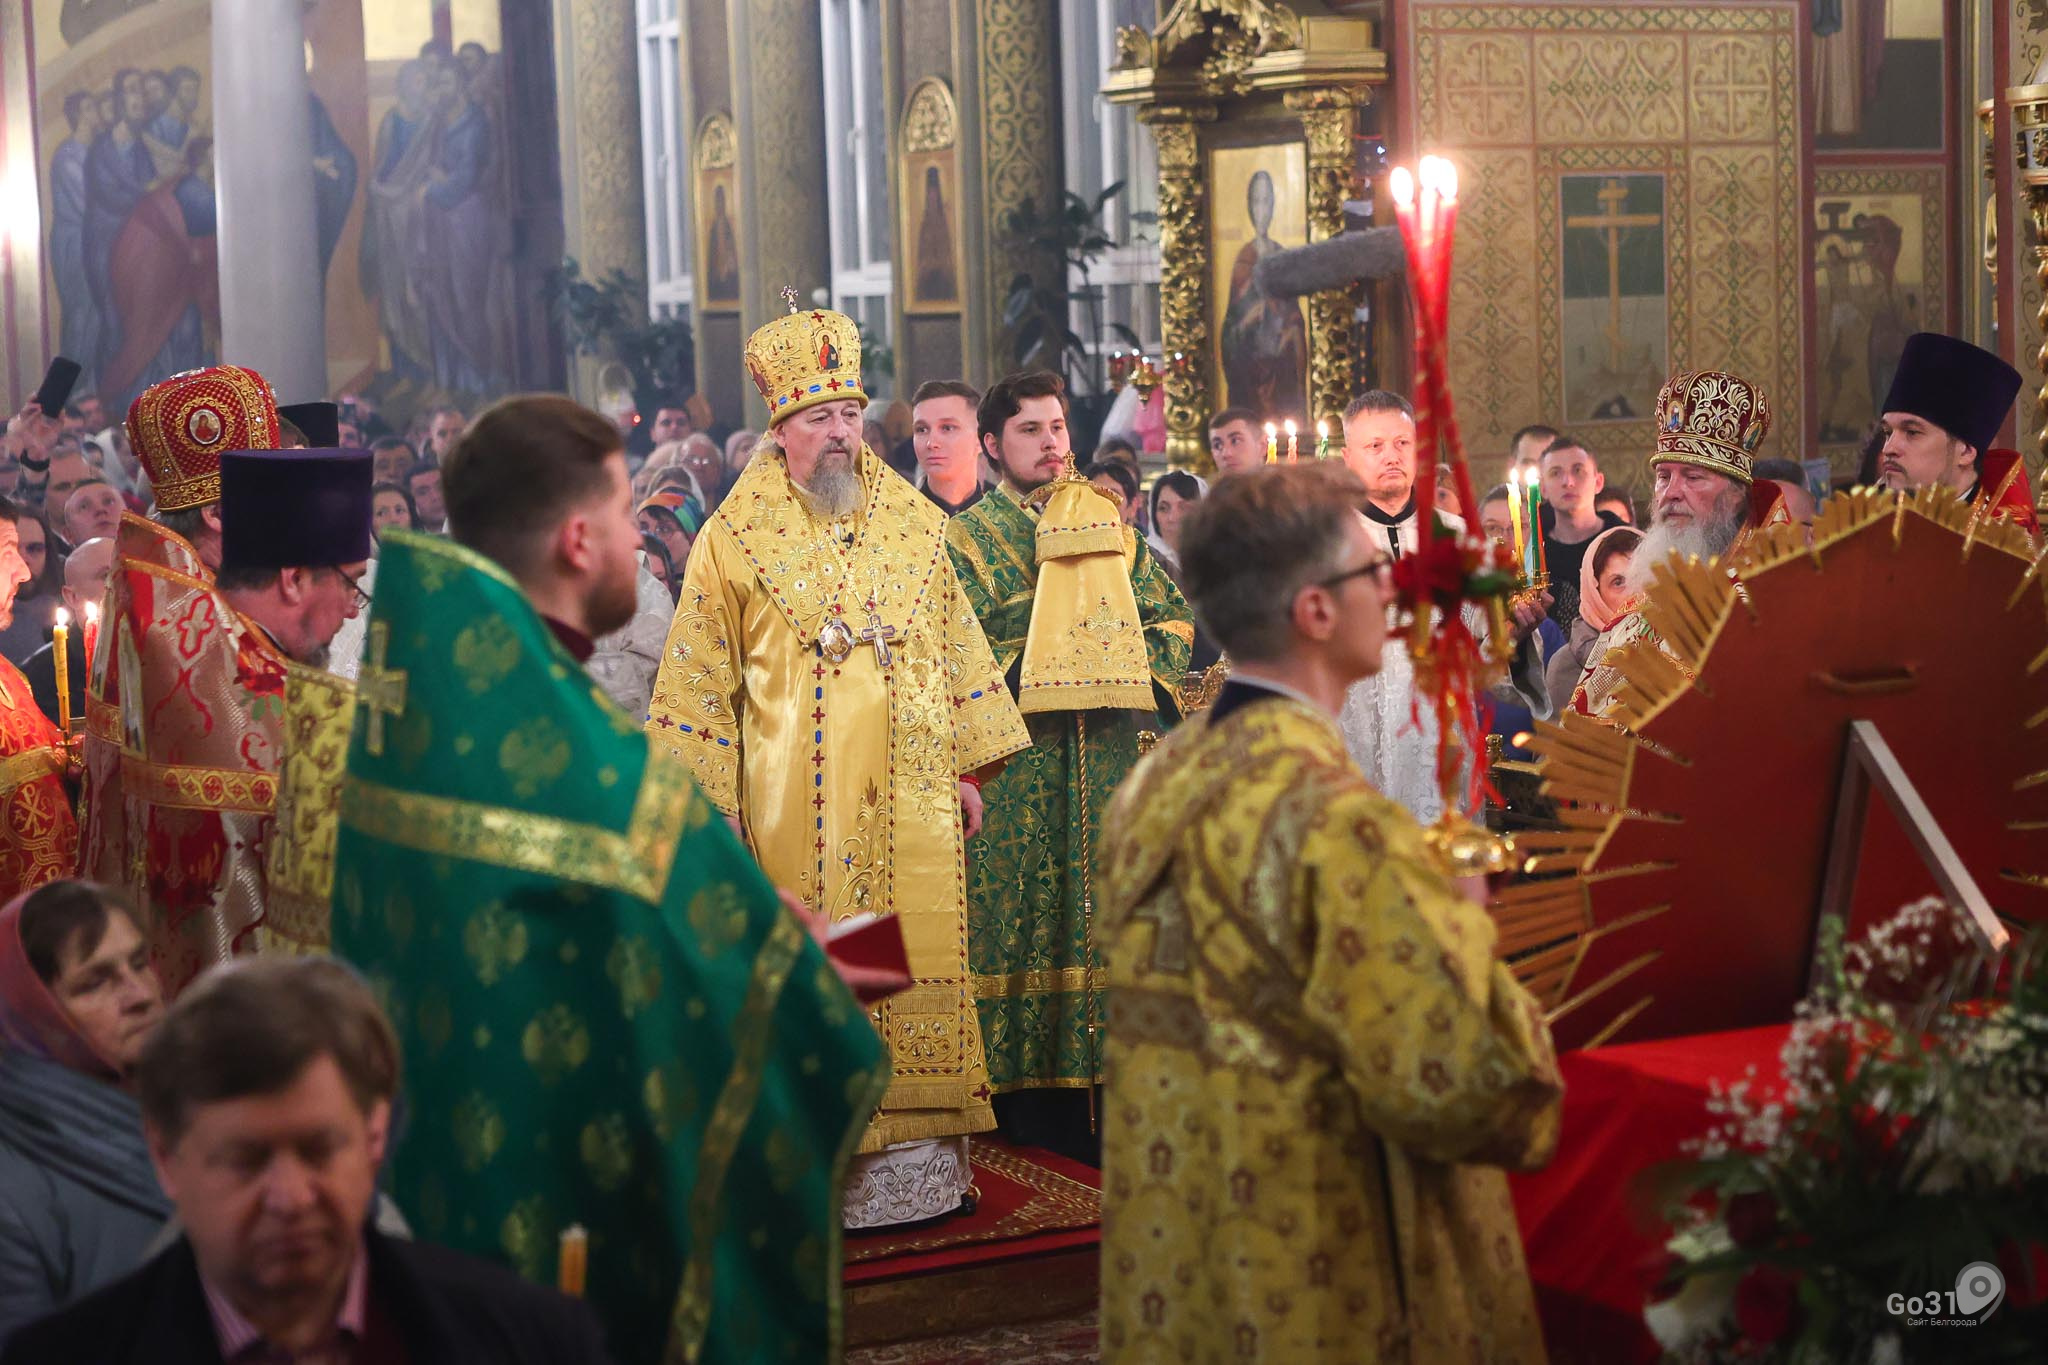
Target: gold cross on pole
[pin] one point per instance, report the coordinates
(878, 635)
(381, 689)
(1611, 220)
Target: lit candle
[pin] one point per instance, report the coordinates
(1421, 273)
(1536, 526)
(1532, 513)
(60, 640)
(573, 1266)
(1272, 443)
(92, 633)
(1515, 519)
(1293, 451)
(1442, 177)
(1322, 438)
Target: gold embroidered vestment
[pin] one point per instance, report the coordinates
(827, 683)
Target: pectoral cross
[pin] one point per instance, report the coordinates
(381, 689)
(1611, 220)
(878, 635)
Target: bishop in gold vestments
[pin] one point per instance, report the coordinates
(1315, 1067)
(828, 684)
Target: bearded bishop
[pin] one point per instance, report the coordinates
(830, 688)
(1707, 501)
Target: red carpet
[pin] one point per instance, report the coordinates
(1030, 1251)
(1032, 1202)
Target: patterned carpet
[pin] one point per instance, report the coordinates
(1062, 1341)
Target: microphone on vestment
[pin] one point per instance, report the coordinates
(1373, 253)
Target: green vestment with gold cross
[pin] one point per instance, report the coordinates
(608, 1018)
(1037, 974)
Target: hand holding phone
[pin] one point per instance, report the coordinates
(58, 382)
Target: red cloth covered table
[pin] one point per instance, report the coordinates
(1594, 1236)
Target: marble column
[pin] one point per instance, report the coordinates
(272, 308)
(26, 346)
(597, 121)
(778, 89)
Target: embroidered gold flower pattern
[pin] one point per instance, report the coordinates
(479, 1131)
(486, 652)
(635, 969)
(670, 1096)
(495, 939)
(718, 917)
(534, 756)
(556, 1042)
(527, 1235)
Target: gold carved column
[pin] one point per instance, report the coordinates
(778, 85)
(1329, 118)
(1018, 151)
(1244, 72)
(1184, 283)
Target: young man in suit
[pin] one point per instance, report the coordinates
(266, 1099)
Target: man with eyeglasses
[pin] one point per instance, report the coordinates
(1306, 1023)
(1393, 740)
(295, 540)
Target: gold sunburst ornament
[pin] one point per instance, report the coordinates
(1698, 811)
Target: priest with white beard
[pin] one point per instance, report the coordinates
(1393, 741)
(1706, 500)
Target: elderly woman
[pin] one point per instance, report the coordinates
(1603, 599)
(78, 999)
(673, 518)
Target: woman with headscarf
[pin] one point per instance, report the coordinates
(1603, 599)
(79, 1204)
(627, 660)
(674, 518)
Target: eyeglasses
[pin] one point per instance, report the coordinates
(1381, 570)
(355, 585)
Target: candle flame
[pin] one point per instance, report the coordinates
(1441, 177)
(92, 613)
(1271, 431)
(63, 618)
(1288, 426)
(1322, 427)
(1402, 186)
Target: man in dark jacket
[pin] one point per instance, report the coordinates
(266, 1096)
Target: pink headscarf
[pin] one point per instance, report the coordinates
(31, 1020)
(1596, 608)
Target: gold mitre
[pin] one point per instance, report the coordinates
(1712, 420)
(805, 359)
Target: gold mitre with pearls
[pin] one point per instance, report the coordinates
(1713, 420)
(805, 359)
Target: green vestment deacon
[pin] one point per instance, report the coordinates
(608, 1017)
(1036, 971)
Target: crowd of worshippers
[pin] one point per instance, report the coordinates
(208, 1167)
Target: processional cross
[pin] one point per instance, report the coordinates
(1611, 220)
(878, 635)
(382, 689)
